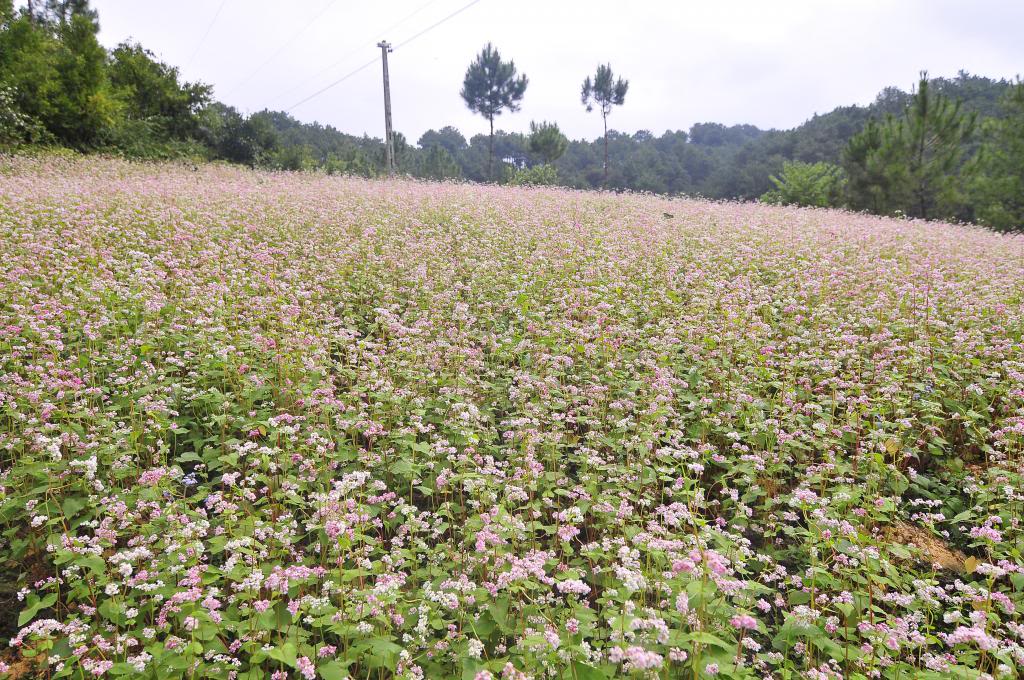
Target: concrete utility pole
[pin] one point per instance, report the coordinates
(389, 146)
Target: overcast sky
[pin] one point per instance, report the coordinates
(773, 64)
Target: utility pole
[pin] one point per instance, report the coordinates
(389, 147)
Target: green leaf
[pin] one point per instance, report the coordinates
(709, 639)
(484, 626)
(35, 606)
(121, 668)
(402, 467)
(72, 504)
(95, 563)
(1017, 579)
(799, 597)
(286, 654)
(382, 653)
(499, 612)
(582, 671)
(470, 667)
(333, 670)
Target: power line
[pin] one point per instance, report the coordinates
(336, 82)
(354, 51)
(374, 60)
(206, 33)
(436, 24)
(281, 49)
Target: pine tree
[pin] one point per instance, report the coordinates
(547, 141)
(604, 92)
(934, 130)
(871, 166)
(997, 183)
(491, 86)
(911, 163)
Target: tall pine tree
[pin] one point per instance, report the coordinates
(604, 91)
(912, 164)
(491, 86)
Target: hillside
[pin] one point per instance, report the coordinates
(292, 425)
(735, 162)
(950, 148)
(709, 159)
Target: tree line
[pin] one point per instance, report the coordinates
(950, 148)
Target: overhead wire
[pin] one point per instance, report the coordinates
(353, 51)
(436, 24)
(284, 45)
(206, 33)
(376, 59)
(336, 82)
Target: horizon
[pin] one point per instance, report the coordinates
(770, 80)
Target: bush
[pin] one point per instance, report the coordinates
(538, 175)
(817, 185)
(146, 139)
(16, 128)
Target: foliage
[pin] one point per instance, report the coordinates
(15, 127)
(147, 139)
(932, 135)
(490, 87)
(292, 157)
(62, 12)
(76, 94)
(538, 175)
(150, 90)
(718, 135)
(248, 140)
(997, 182)
(268, 425)
(438, 164)
(869, 186)
(82, 108)
(547, 141)
(448, 138)
(911, 164)
(604, 92)
(818, 185)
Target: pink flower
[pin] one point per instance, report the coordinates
(743, 622)
(152, 476)
(306, 667)
(567, 533)
(333, 529)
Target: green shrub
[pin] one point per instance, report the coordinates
(808, 184)
(538, 175)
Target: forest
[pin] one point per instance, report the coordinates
(943, 148)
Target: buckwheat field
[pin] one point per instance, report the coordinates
(258, 425)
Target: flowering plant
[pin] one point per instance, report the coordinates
(286, 425)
